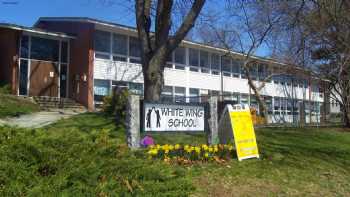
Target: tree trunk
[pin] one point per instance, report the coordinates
(346, 120)
(262, 105)
(153, 78)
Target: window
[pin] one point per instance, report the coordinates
(268, 101)
(135, 60)
(194, 95)
(134, 47)
(180, 58)
(289, 106)
(307, 107)
(169, 61)
(243, 75)
(119, 58)
(120, 44)
(261, 71)
(244, 99)
(193, 59)
(204, 61)
(180, 93)
(136, 88)
(101, 56)
(134, 50)
(102, 41)
(277, 104)
(226, 66)
(101, 89)
(253, 71)
(283, 105)
(167, 94)
(235, 97)
(276, 79)
(24, 47)
(254, 102)
(214, 93)
(288, 80)
(235, 68)
(215, 64)
(227, 96)
(64, 52)
(44, 49)
(296, 107)
(23, 77)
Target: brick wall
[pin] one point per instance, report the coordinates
(81, 58)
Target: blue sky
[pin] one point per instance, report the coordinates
(26, 12)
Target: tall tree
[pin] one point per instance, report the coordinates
(157, 46)
(244, 27)
(328, 25)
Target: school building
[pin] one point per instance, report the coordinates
(84, 59)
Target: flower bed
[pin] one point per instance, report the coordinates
(184, 154)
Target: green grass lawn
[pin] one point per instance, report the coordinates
(12, 106)
(87, 156)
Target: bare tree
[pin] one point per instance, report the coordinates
(328, 24)
(246, 28)
(157, 46)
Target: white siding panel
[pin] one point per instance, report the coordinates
(101, 69)
(204, 81)
(236, 85)
(121, 71)
(129, 72)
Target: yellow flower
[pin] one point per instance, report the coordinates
(198, 149)
(230, 147)
(177, 146)
(165, 147)
(216, 149)
(189, 150)
(151, 146)
(186, 147)
(171, 147)
(158, 146)
(206, 155)
(193, 148)
(210, 149)
(153, 152)
(166, 151)
(205, 147)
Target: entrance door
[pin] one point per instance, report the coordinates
(23, 77)
(43, 79)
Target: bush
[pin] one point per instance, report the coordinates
(11, 105)
(63, 160)
(115, 104)
(5, 89)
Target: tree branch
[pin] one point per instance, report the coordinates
(187, 24)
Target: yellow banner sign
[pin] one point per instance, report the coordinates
(243, 132)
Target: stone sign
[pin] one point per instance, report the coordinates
(173, 117)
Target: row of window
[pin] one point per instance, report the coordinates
(43, 49)
(104, 87)
(118, 47)
(275, 105)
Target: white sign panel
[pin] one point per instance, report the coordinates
(173, 117)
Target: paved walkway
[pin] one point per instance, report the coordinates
(38, 119)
